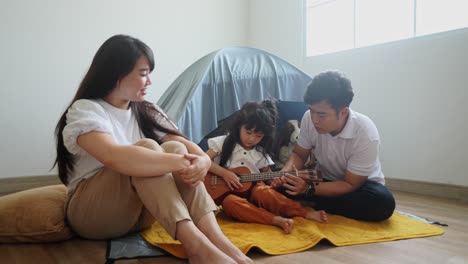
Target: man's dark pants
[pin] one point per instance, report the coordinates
(371, 202)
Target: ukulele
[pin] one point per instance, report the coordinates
(218, 188)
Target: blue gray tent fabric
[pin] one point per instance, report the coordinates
(219, 83)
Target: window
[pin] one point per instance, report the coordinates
(434, 16)
(383, 21)
(335, 25)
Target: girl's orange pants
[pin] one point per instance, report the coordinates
(263, 204)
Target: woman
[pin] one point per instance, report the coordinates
(125, 163)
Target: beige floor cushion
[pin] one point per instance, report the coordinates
(35, 215)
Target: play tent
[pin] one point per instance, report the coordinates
(218, 84)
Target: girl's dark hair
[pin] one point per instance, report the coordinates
(260, 116)
(114, 60)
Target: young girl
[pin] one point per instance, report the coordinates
(248, 144)
(126, 165)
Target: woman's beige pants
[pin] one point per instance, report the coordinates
(110, 204)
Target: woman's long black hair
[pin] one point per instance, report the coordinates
(260, 116)
(115, 59)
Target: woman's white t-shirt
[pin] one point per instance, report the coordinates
(85, 116)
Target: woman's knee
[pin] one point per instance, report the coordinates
(168, 147)
(174, 147)
(149, 144)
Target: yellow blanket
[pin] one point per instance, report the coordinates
(340, 231)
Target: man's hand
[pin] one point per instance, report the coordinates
(295, 185)
(196, 171)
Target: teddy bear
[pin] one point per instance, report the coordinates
(287, 139)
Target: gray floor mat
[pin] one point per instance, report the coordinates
(130, 247)
(421, 219)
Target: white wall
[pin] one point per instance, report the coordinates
(414, 90)
(46, 47)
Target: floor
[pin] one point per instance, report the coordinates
(452, 247)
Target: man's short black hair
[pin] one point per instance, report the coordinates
(331, 86)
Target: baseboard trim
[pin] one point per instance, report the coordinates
(16, 184)
(455, 192)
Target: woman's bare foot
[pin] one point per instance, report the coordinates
(208, 253)
(209, 226)
(319, 216)
(232, 251)
(198, 247)
(285, 223)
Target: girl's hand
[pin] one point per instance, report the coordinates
(232, 180)
(196, 171)
(276, 182)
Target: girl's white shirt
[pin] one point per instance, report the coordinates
(85, 116)
(252, 159)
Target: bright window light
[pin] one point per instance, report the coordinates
(330, 27)
(336, 25)
(383, 21)
(434, 16)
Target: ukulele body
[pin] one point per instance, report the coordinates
(218, 188)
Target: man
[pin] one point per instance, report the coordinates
(346, 146)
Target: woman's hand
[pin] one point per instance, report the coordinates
(197, 170)
(232, 180)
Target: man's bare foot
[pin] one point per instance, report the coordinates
(319, 216)
(285, 223)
